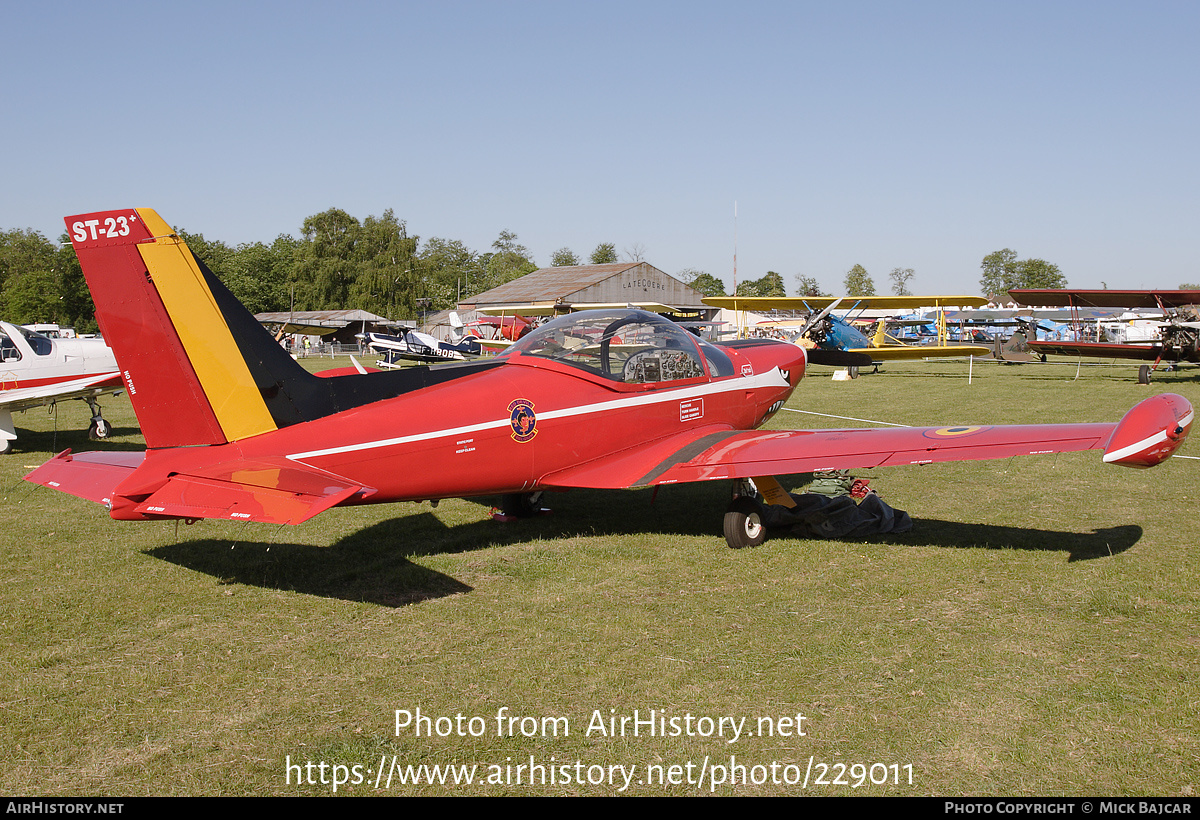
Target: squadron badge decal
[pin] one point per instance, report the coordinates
(522, 419)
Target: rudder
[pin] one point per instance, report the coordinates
(186, 376)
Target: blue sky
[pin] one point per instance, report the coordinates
(921, 135)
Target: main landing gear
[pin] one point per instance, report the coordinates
(520, 505)
(743, 523)
(99, 429)
(743, 519)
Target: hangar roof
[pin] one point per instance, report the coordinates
(621, 283)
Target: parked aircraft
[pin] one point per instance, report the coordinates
(36, 370)
(1179, 334)
(235, 429)
(415, 346)
(831, 332)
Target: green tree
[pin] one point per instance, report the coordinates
(701, 281)
(999, 272)
(386, 281)
(769, 285)
(32, 296)
(1003, 271)
(507, 261)
(1188, 286)
(33, 275)
(563, 257)
(808, 286)
(858, 282)
(450, 271)
(73, 290)
(257, 274)
(605, 254)
(900, 277)
(326, 263)
(24, 250)
(1038, 273)
(215, 254)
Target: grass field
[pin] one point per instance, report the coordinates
(1035, 634)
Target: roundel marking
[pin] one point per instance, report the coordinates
(523, 420)
(953, 432)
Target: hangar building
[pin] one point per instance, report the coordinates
(581, 286)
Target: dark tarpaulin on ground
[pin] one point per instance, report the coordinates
(819, 516)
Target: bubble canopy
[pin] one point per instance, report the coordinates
(629, 346)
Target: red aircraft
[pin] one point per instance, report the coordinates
(236, 429)
(1179, 335)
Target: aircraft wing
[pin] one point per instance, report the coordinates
(760, 304)
(20, 398)
(1105, 298)
(1100, 350)
(889, 353)
(305, 329)
(1148, 434)
(269, 491)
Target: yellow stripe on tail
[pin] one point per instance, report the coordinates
(214, 355)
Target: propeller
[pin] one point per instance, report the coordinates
(812, 322)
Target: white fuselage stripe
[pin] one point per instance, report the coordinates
(772, 378)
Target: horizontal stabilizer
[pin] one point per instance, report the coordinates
(237, 489)
(92, 476)
(194, 497)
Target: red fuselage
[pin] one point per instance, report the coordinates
(503, 429)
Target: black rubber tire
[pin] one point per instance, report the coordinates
(521, 505)
(853, 371)
(99, 430)
(1144, 374)
(743, 524)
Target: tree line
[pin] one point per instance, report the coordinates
(1002, 271)
(339, 261)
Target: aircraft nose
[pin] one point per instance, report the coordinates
(789, 358)
(799, 357)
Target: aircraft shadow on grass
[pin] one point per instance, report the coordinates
(55, 441)
(373, 564)
(370, 565)
(1079, 546)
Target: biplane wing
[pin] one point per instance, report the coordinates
(1070, 298)
(834, 333)
(1100, 350)
(896, 352)
(815, 303)
(1179, 333)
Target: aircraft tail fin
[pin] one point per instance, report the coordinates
(198, 368)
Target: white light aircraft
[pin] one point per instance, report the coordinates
(36, 370)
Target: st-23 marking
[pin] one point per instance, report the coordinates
(113, 226)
